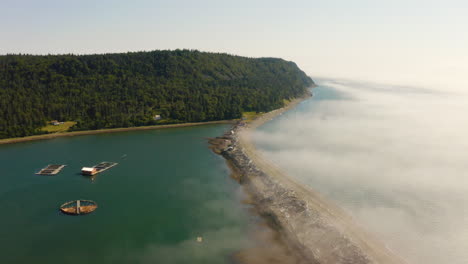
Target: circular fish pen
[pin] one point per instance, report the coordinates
(78, 207)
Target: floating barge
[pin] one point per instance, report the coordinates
(51, 169)
(101, 167)
(78, 207)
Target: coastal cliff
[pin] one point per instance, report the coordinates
(313, 229)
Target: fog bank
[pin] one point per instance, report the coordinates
(394, 157)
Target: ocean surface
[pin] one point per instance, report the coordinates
(167, 190)
(395, 158)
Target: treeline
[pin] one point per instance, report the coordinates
(129, 89)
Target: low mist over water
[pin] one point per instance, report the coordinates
(394, 157)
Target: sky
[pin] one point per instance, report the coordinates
(410, 42)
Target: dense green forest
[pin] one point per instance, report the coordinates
(129, 89)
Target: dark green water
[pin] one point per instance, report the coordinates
(167, 190)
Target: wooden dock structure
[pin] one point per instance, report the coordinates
(51, 169)
(101, 167)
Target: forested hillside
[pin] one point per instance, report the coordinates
(129, 89)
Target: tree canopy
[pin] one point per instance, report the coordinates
(129, 89)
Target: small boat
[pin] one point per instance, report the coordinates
(101, 167)
(78, 207)
(88, 171)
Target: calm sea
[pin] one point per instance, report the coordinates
(167, 190)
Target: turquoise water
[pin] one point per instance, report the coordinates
(321, 94)
(167, 190)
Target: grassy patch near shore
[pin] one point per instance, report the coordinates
(59, 128)
(250, 116)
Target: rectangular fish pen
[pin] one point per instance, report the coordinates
(51, 169)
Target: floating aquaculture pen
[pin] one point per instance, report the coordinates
(51, 169)
(103, 166)
(78, 207)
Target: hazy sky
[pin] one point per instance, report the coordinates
(402, 41)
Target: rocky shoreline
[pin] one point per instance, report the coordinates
(313, 230)
(243, 170)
